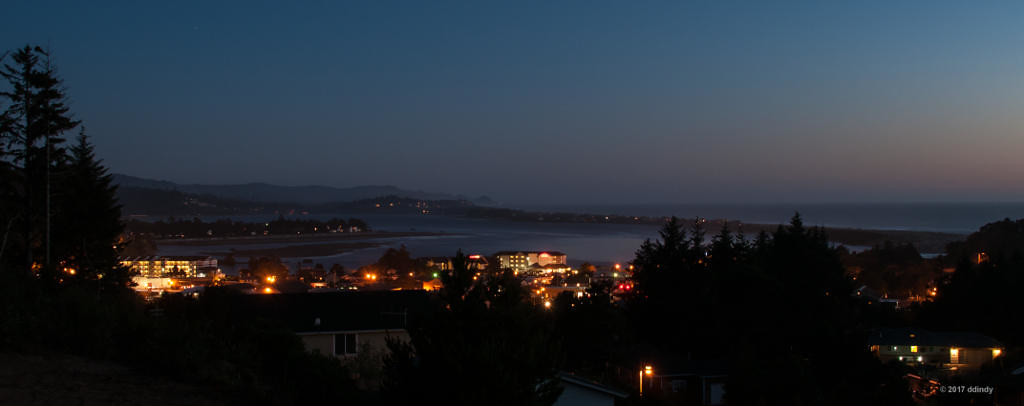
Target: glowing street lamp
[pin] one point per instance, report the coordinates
(649, 371)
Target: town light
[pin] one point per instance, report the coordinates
(649, 370)
(271, 279)
(618, 266)
(435, 274)
(547, 304)
(996, 352)
(268, 290)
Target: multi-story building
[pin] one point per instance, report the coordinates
(521, 261)
(171, 266)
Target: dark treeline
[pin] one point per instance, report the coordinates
(896, 270)
(982, 294)
(481, 343)
(195, 227)
(60, 219)
(63, 292)
(778, 311)
(775, 312)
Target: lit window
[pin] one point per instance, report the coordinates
(913, 348)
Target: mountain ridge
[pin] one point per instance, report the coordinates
(262, 192)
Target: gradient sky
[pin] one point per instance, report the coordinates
(554, 101)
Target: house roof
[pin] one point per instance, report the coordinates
(916, 336)
(589, 384)
(341, 311)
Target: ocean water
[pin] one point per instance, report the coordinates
(605, 244)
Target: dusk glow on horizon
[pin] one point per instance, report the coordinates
(553, 102)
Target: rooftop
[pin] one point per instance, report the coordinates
(916, 336)
(341, 311)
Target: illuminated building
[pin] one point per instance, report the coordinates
(167, 266)
(522, 260)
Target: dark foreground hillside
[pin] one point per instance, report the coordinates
(67, 380)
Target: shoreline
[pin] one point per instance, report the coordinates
(297, 251)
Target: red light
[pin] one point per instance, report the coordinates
(628, 287)
(474, 257)
(621, 286)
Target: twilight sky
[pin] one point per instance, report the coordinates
(554, 101)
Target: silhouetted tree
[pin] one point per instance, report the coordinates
(36, 117)
(89, 218)
(264, 267)
(484, 344)
(777, 311)
(989, 269)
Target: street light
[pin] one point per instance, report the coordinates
(649, 371)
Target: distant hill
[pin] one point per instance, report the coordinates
(168, 202)
(267, 193)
